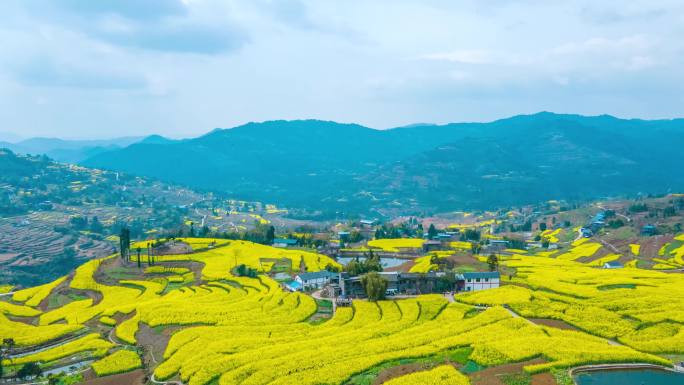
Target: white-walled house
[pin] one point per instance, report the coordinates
(315, 280)
(481, 280)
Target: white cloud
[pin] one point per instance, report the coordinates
(464, 56)
(185, 67)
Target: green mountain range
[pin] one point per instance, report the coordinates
(332, 167)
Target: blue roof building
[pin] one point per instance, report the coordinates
(284, 242)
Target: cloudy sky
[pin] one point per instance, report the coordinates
(106, 68)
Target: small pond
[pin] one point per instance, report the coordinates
(630, 377)
(385, 262)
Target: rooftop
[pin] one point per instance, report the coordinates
(613, 264)
(316, 275)
(285, 241)
(481, 274)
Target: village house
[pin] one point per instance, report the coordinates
(431, 245)
(612, 265)
(284, 242)
(315, 280)
(649, 230)
(343, 236)
(481, 280)
(496, 245)
(418, 283)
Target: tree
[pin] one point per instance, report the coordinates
(472, 235)
(616, 224)
(302, 265)
(432, 231)
(372, 263)
(332, 268)
(270, 235)
(96, 225)
(204, 231)
(245, 271)
(493, 262)
(5, 351)
(29, 370)
(542, 226)
(125, 243)
(354, 267)
(355, 236)
(138, 250)
(374, 285)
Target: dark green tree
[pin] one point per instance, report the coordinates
(96, 225)
(5, 351)
(270, 235)
(372, 263)
(354, 267)
(493, 262)
(432, 231)
(374, 285)
(332, 268)
(125, 243)
(30, 370)
(472, 235)
(476, 247)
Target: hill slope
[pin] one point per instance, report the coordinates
(331, 166)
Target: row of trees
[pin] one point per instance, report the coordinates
(370, 263)
(29, 370)
(261, 233)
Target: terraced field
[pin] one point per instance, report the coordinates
(29, 241)
(225, 329)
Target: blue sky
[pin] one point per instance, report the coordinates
(106, 68)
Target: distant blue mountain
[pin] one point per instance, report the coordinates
(329, 166)
(72, 151)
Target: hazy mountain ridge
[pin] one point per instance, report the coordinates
(66, 150)
(331, 166)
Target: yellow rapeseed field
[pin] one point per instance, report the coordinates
(118, 362)
(395, 245)
(240, 330)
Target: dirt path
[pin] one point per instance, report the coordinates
(554, 323)
(401, 370)
(153, 380)
(516, 315)
(616, 213)
(579, 235)
(136, 377)
(493, 375)
(609, 245)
